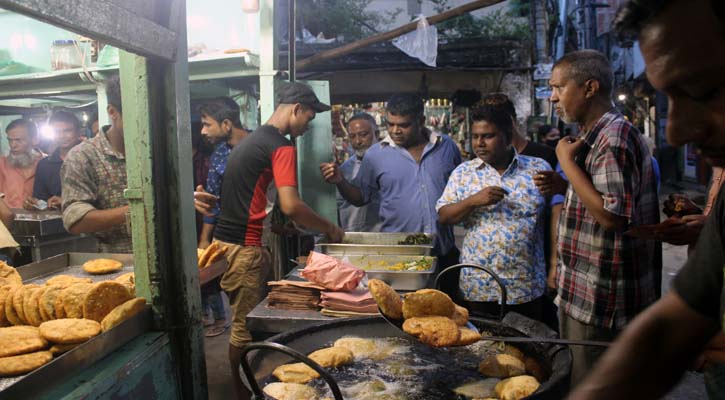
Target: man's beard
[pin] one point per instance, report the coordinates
(22, 160)
(360, 153)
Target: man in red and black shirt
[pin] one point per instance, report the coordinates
(260, 170)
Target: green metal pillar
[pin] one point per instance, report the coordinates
(160, 185)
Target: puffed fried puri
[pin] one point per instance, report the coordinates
(71, 300)
(434, 331)
(360, 347)
(501, 366)
(387, 298)
(122, 313)
(69, 330)
(102, 298)
(22, 339)
(19, 301)
(66, 280)
(517, 388)
(4, 290)
(460, 315)
(468, 336)
(332, 357)
(290, 391)
(9, 275)
(23, 363)
(101, 266)
(295, 373)
(427, 302)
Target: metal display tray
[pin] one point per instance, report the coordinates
(37, 223)
(71, 264)
(375, 243)
(398, 280)
(60, 368)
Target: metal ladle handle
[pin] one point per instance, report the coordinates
(501, 285)
(257, 393)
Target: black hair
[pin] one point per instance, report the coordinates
(494, 114)
(634, 15)
(583, 65)
(23, 122)
(543, 130)
(222, 108)
(67, 117)
(113, 92)
(405, 104)
(364, 117)
(501, 102)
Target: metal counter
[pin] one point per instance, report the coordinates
(41, 235)
(273, 320)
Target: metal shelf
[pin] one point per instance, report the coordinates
(72, 81)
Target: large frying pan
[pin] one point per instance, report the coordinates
(259, 359)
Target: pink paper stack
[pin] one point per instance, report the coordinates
(346, 304)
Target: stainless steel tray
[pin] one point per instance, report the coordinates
(398, 280)
(71, 264)
(37, 223)
(375, 243)
(86, 354)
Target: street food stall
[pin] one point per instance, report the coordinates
(159, 352)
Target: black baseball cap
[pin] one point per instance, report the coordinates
(296, 92)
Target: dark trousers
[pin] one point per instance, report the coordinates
(449, 282)
(534, 309)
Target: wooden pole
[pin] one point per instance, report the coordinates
(362, 43)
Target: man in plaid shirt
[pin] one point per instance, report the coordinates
(604, 277)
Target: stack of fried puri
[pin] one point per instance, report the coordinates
(213, 253)
(22, 349)
(69, 310)
(430, 315)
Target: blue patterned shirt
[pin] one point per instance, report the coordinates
(217, 165)
(508, 236)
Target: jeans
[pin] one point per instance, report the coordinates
(211, 298)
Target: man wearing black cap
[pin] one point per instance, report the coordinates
(264, 157)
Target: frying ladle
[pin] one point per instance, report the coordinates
(398, 322)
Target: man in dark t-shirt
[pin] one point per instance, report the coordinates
(260, 170)
(681, 42)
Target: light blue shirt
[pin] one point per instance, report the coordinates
(356, 219)
(508, 236)
(408, 190)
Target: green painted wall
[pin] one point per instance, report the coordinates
(28, 41)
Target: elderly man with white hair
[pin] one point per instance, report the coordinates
(362, 131)
(17, 169)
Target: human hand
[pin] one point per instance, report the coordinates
(55, 202)
(203, 244)
(204, 202)
(714, 353)
(30, 203)
(568, 148)
(681, 231)
(488, 196)
(335, 234)
(551, 280)
(550, 183)
(331, 173)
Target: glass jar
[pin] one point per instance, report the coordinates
(65, 54)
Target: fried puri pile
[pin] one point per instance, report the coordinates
(40, 321)
(430, 315)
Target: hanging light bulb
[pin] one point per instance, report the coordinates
(250, 6)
